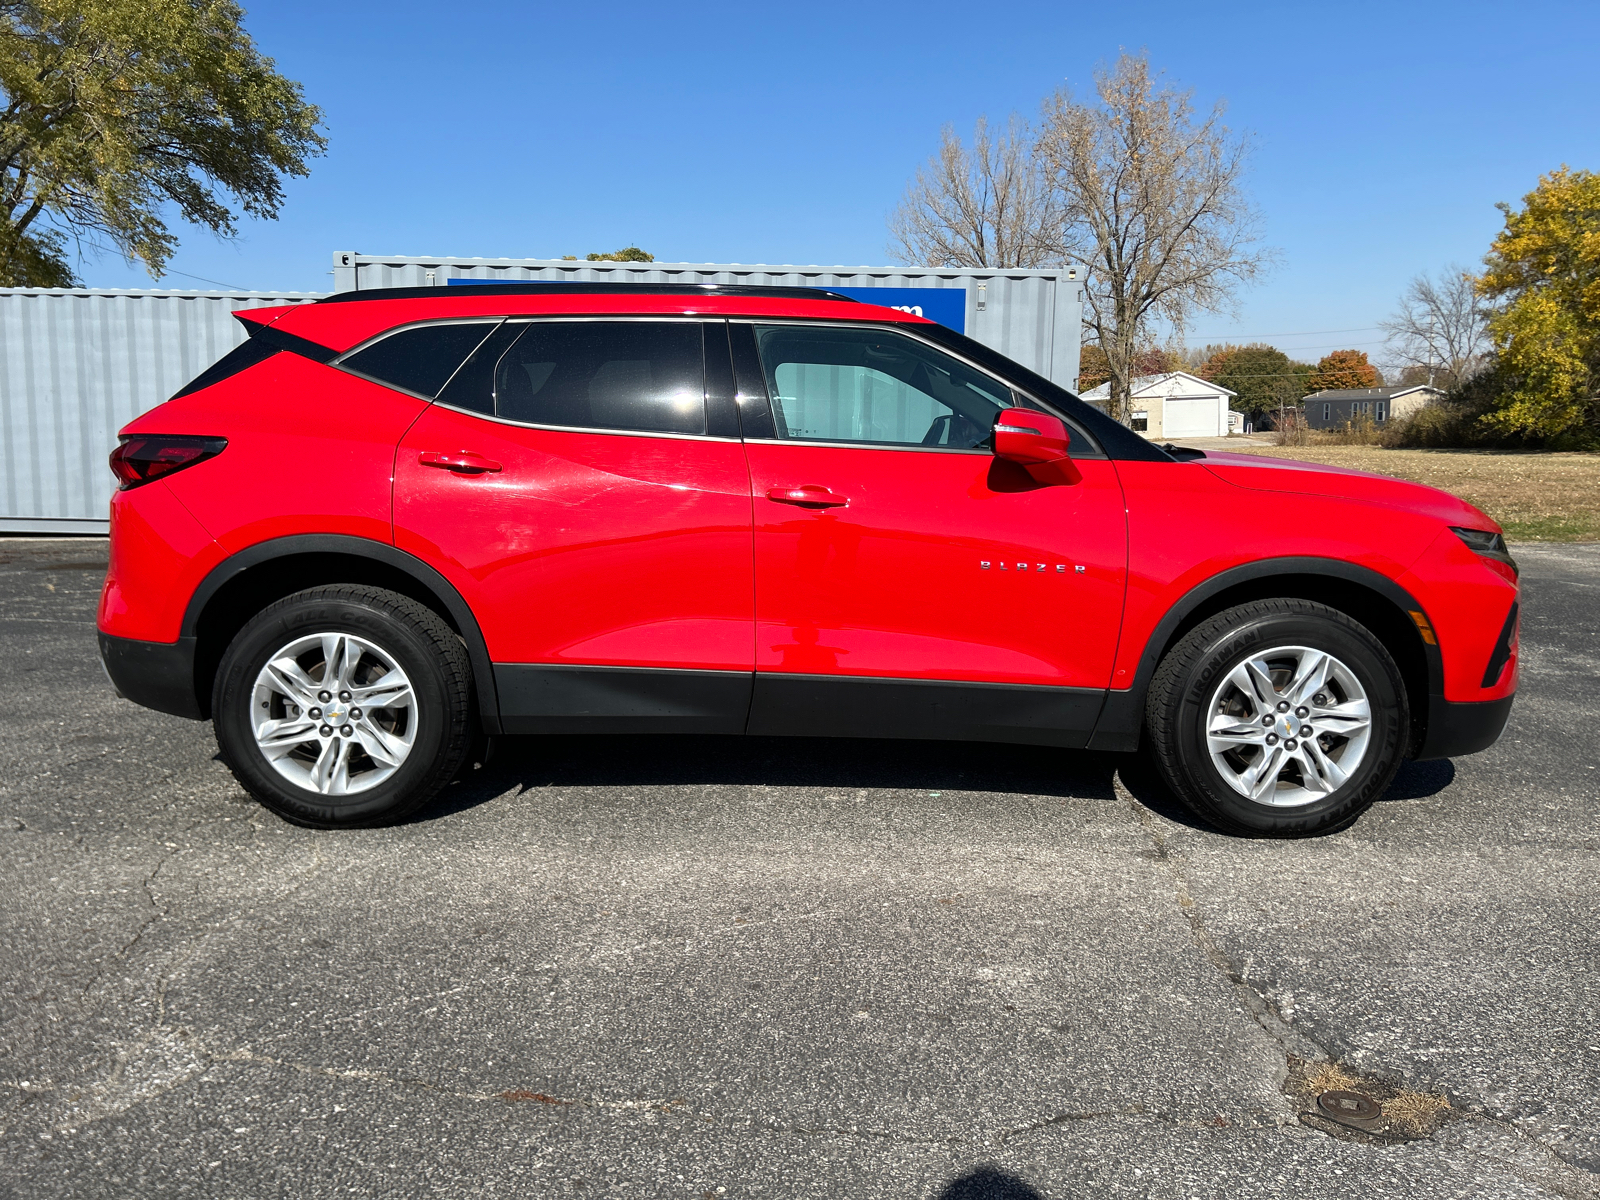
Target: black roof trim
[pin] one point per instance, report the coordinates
(559, 288)
(241, 358)
(280, 339)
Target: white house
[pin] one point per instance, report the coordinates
(1173, 405)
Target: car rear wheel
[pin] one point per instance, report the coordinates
(344, 706)
(1278, 718)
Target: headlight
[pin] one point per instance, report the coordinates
(1490, 545)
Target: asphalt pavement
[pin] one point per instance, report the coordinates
(717, 967)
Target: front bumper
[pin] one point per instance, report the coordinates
(1457, 728)
(158, 675)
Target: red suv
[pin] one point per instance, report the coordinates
(395, 522)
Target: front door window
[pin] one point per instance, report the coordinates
(866, 386)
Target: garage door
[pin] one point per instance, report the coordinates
(1190, 418)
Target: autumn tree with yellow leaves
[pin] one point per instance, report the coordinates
(1542, 276)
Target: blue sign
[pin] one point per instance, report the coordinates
(948, 306)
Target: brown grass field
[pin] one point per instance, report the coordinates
(1537, 497)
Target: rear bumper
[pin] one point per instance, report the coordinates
(1456, 728)
(158, 675)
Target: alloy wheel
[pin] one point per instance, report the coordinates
(1289, 726)
(333, 713)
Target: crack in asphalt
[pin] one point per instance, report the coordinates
(1260, 1009)
(118, 1093)
(1509, 1125)
(1266, 1015)
(158, 911)
(1585, 1188)
(1566, 1183)
(87, 1007)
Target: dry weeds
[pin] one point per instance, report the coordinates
(1331, 1077)
(1405, 1114)
(1416, 1113)
(1537, 497)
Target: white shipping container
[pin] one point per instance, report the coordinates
(78, 364)
(75, 366)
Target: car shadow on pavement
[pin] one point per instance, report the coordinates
(523, 763)
(1418, 780)
(648, 761)
(1414, 781)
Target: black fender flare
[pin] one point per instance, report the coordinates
(381, 552)
(1122, 716)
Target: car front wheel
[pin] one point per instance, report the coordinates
(1278, 718)
(343, 705)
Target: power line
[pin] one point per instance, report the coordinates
(1338, 345)
(1292, 333)
(1278, 375)
(231, 286)
(1320, 346)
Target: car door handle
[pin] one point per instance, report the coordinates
(461, 462)
(808, 495)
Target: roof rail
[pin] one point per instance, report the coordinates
(559, 288)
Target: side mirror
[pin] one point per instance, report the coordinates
(1037, 442)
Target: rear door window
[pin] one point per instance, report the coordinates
(640, 376)
(421, 359)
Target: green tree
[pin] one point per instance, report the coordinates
(35, 259)
(1344, 369)
(626, 254)
(112, 110)
(1263, 376)
(1543, 274)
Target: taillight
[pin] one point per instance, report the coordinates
(144, 457)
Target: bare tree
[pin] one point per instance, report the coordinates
(1152, 206)
(1440, 327)
(988, 206)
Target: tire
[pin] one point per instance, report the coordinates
(345, 766)
(1213, 695)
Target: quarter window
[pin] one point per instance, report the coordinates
(831, 384)
(646, 376)
(420, 359)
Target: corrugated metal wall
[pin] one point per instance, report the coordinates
(1032, 316)
(75, 366)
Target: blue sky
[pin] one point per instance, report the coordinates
(1384, 133)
